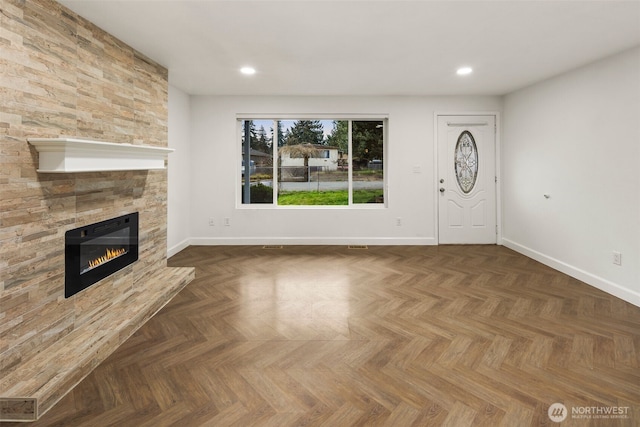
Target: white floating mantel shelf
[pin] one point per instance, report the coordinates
(64, 155)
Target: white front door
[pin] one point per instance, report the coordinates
(466, 179)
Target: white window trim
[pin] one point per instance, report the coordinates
(322, 116)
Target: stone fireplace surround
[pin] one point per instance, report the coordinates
(64, 77)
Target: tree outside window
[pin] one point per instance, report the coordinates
(314, 162)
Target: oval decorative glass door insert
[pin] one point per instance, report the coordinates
(466, 162)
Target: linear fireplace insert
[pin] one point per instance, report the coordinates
(98, 250)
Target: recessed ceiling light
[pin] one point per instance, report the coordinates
(463, 71)
(248, 71)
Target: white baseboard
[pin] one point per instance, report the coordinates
(604, 285)
(177, 248)
(373, 241)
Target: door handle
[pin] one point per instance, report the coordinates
(441, 190)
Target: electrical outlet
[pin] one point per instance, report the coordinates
(398, 221)
(212, 222)
(227, 222)
(617, 258)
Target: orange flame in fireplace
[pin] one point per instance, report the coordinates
(109, 254)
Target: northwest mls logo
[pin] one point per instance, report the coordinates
(557, 412)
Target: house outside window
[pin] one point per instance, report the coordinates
(301, 162)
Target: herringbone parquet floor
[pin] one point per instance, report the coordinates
(394, 336)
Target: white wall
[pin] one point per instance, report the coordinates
(576, 137)
(179, 172)
(411, 196)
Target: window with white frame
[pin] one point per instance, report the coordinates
(309, 162)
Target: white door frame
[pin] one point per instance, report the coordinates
(498, 167)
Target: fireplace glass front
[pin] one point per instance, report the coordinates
(98, 250)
